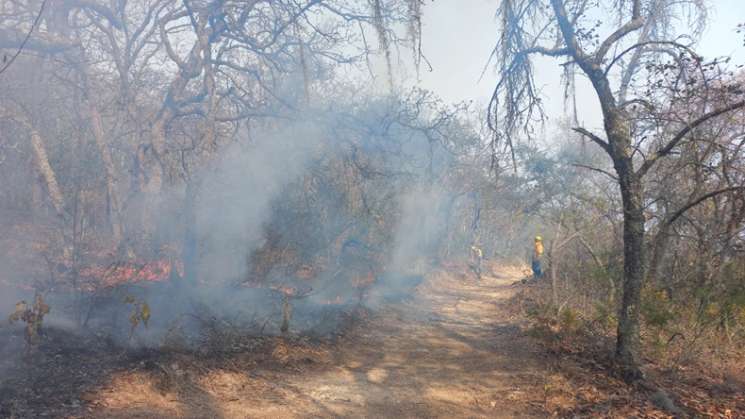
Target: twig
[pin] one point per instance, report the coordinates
(28, 35)
(595, 169)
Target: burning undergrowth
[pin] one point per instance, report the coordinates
(295, 231)
(262, 252)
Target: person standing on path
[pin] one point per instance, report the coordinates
(535, 262)
(476, 258)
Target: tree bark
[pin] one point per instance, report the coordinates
(109, 171)
(190, 250)
(658, 250)
(627, 339)
(619, 148)
(553, 262)
(47, 173)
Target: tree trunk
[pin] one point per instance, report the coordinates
(627, 343)
(45, 169)
(190, 252)
(286, 315)
(153, 179)
(659, 248)
(110, 173)
(553, 262)
(619, 148)
(554, 280)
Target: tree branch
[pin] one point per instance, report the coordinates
(595, 169)
(101, 10)
(566, 241)
(551, 52)
(634, 24)
(567, 31)
(26, 38)
(667, 148)
(645, 43)
(41, 42)
(597, 140)
(701, 199)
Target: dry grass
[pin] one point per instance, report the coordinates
(581, 352)
(459, 348)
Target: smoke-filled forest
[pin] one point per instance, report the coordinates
(278, 208)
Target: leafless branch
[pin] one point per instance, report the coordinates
(594, 138)
(595, 169)
(667, 148)
(25, 40)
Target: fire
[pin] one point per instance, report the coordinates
(120, 273)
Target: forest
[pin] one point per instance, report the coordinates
(267, 208)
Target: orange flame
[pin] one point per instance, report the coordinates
(154, 271)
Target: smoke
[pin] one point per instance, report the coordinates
(235, 199)
(234, 203)
(420, 229)
(18, 270)
(11, 342)
(348, 195)
(262, 186)
(419, 233)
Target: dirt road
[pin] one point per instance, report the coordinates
(449, 352)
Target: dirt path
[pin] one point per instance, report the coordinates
(449, 352)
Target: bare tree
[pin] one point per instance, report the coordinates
(615, 65)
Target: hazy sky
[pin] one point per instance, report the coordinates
(458, 36)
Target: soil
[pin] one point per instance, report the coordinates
(455, 349)
(450, 351)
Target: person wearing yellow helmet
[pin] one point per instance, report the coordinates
(535, 262)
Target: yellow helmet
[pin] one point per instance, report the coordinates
(538, 238)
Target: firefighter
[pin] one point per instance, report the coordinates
(476, 257)
(535, 262)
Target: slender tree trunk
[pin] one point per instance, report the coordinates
(110, 173)
(627, 343)
(190, 250)
(659, 248)
(619, 148)
(553, 262)
(554, 280)
(47, 173)
(153, 181)
(286, 315)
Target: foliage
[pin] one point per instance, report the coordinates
(33, 316)
(139, 314)
(656, 309)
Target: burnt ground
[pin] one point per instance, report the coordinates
(453, 350)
